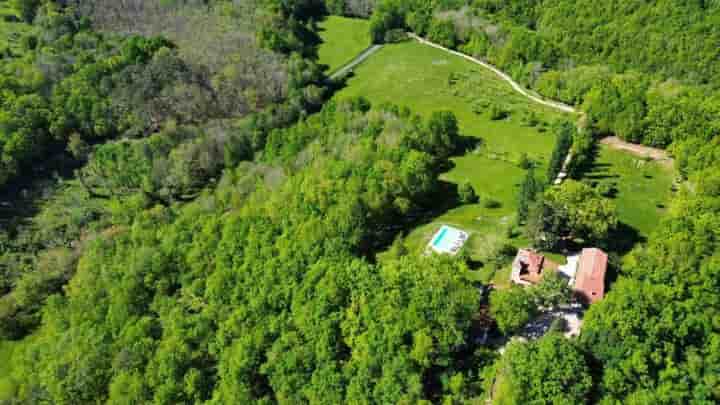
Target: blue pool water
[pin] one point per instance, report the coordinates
(438, 239)
(448, 240)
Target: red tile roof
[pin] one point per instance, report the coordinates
(590, 277)
(534, 262)
(533, 265)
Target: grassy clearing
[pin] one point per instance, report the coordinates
(642, 187)
(343, 38)
(426, 79)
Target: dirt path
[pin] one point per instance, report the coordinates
(552, 104)
(659, 155)
(358, 60)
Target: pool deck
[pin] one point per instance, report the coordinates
(448, 240)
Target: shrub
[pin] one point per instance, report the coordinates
(467, 193)
(443, 32)
(491, 203)
(524, 162)
(497, 112)
(606, 189)
(395, 35)
(531, 119)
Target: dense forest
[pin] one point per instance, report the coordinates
(215, 234)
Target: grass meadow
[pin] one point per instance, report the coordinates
(641, 188)
(425, 80)
(343, 39)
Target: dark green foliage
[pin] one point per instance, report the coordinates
(512, 309)
(564, 132)
(388, 15)
(553, 290)
(528, 194)
(196, 275)
(497, 112)
(441, 137)
(26, 8)
(489, 202)
(524, 162)
(583, 153)
(467, 194)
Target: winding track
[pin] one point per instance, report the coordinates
(552, 104)
(517, 87)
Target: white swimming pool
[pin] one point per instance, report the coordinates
(448, 240)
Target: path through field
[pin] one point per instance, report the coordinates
(504, 76)
(659, 155)
(358, 60)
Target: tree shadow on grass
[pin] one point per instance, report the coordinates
(468, 144)
(620, 242)
(600, 176)
(444, 198)
(21, 198)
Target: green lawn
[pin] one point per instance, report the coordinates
(426, 79)
(642, 187)
(343, 39)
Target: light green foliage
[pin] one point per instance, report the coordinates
(550, 370)
(551, 291)
(343, 38)
(576, 210)
(467, 194)
(443, 33)
(512, 308)
(7, 385)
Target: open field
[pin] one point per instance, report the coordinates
(343, 39)
(642, 187)
(426, 79)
